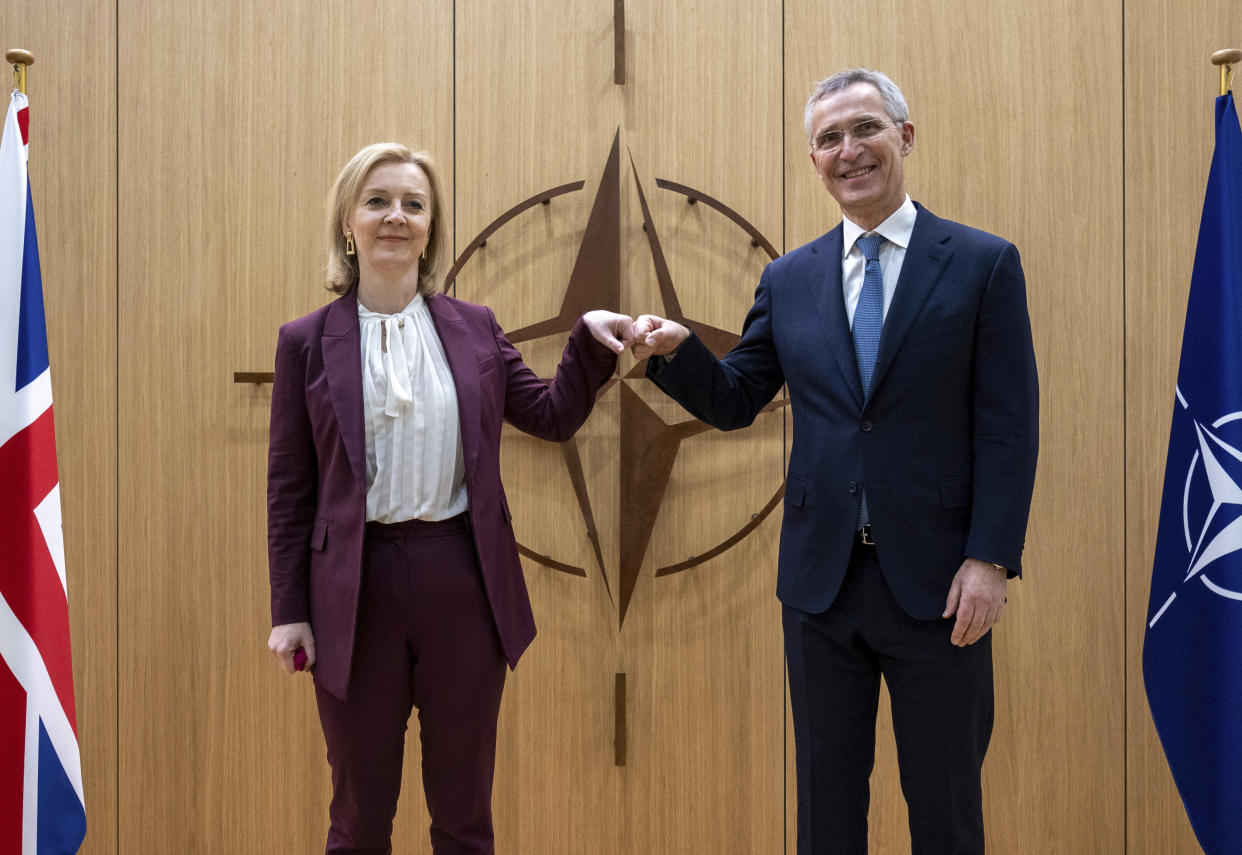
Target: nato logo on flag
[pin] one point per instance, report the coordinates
(1192, 653)
(1211, 506)
(1192, 658)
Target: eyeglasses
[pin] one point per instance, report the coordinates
(832, 140)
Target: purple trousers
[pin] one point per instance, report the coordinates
(426, 640)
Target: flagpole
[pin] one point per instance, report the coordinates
(19, 59)
(1226, 59)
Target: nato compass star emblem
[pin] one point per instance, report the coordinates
(649, 445)
(1212, 508)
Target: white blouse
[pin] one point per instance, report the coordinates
(415, 468)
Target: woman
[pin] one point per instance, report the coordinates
(394, 570)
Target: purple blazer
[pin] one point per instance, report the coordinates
(316, 496)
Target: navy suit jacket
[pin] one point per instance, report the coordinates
(317, 463)
(946, 442)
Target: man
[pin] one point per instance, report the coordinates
(906, 346)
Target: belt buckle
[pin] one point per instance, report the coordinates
(864, 534)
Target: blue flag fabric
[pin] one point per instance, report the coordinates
(1192, 653)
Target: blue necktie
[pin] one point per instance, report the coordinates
(868, 323)
(869, 314)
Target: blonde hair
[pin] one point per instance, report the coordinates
(341, 270)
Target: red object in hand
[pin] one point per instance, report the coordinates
(299, 660)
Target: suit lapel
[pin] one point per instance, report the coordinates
(459, 351)
(830, 300)
(926, 258)
(341, 343)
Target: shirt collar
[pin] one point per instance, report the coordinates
(366, 314)
(897, 229)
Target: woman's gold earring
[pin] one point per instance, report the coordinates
(349, 244)
(422, 256)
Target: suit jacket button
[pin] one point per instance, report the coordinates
(853, 486)
(866, 425)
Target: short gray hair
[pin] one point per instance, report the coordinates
(894, 101)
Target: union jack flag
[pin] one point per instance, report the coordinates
(42, 810)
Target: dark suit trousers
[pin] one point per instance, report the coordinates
(426, 639)
(942, 718)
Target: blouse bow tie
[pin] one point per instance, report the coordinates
(399, 391)
(399, 358)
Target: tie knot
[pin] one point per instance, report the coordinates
(870, 246)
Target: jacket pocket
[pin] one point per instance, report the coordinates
(956, 492)
(487, 363)
(319, 535)
(957, 323)
(795, 491)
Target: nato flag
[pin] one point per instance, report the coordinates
(1192, 654)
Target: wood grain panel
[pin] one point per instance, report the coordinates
(72, 89)
(995, 138)
(1171, 86)
(537, 108)
(701, 649)
(703, 108)
(237, 119)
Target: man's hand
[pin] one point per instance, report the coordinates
(977, 597)
(613, 331)
(655, 336)
(286, 639)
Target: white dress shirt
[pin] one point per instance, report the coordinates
(896, 231)
(415, 468)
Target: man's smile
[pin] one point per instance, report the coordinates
(858, 172)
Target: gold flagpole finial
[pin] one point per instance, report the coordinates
(19, 59)
(1226, 59)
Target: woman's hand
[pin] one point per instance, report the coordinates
(286, 639)
(613, 331)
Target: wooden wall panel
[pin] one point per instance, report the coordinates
(703, 100)
(72, 89)
(1171, 88)
(537, 109)
(703, 766)
(236, 120)
(1013, 147)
